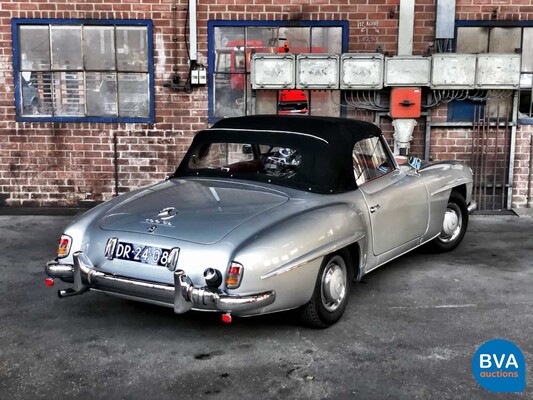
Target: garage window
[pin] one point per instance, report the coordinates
(71, 70)
(231, 45)
(494, 37)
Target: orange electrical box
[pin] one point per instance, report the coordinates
(405, 102)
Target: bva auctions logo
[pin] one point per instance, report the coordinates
(499, 366)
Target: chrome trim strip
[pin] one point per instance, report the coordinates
(269, 131)
(317, 253)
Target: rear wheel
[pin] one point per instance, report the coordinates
(454, 225)
(331, 293)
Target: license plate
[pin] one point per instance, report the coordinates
(142, 254)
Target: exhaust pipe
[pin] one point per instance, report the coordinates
(69, 292)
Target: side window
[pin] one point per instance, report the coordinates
(370, 160)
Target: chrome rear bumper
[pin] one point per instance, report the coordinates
(472, 207)
(183, 295)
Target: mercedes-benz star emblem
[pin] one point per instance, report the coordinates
(167, 213)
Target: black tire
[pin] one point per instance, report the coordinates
(329, 300)
(454, 224)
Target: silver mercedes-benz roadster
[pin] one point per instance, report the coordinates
(265, 214)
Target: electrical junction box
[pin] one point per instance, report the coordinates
(194, 77)
(273, 71)
(202, 76)
(498, 71)
(360, 71)
(317, 71)
(407, 71)
(405, 102)
(453, 71)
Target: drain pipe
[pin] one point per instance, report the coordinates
(193, 48)
(115, 161)
(403, 125)
(530, 171)
(406, 25)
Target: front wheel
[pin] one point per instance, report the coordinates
(454, 225)
(331, 293)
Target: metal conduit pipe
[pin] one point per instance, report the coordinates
(530, 176)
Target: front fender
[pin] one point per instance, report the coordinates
(287, 257)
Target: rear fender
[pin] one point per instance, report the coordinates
(287, 257)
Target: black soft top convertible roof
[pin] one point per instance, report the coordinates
(329, 128)
(326, 144)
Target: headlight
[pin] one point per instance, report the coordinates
(63, 247)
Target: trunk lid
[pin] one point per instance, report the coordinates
(199, 211)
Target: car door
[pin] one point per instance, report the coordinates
(397, 202)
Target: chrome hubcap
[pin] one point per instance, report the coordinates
(453, 221)
(333, 284)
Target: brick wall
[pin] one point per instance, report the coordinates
(67, 163)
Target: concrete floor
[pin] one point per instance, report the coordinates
(409, 332)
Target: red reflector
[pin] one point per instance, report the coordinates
(226, 318)
(235, 270)
(49, 282)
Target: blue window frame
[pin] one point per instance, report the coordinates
(231, 44)
(71, 70)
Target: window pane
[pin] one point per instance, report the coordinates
(66, 47)
(260, 39)
(99, 46)
(262, 36)
(132, 48)
(133, 95)
(326, 40)
(472, 40)
(36, 90)
(223, 61)
(298, 39)
(34, 48)
(527, 50)
(505, 40)
(229, 96)
(69, 96)
(101, 94)
(227, 37)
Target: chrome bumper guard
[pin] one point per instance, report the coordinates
(472, 206)
(183, 294)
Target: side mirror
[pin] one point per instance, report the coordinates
(246, 149)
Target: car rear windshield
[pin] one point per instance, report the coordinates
(298, 160)
(247, 159)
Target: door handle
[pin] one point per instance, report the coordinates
(373, 209)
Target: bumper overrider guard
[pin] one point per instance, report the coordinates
(183, 295)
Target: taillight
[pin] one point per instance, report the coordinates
(234, 275)
(63, 248)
